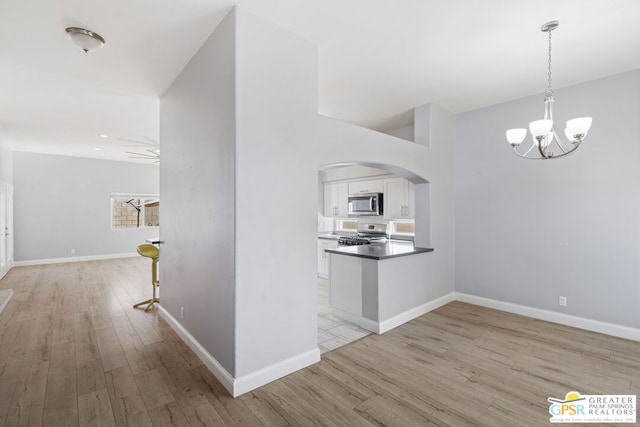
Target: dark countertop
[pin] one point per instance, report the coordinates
(390, 249)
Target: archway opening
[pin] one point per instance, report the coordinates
(406, 215)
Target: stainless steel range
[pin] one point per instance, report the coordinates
(367, 233)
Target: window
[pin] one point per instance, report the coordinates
(135, 211)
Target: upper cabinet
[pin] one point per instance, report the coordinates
(399, 195)
(336, 199)
(359, 187)
(398, 198)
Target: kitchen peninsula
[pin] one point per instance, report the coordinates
(389, 249)
(376, 285)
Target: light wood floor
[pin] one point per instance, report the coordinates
(74, 353)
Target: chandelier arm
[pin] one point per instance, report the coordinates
(526, 153)
(544, 158)
(529, 150)
(527, 157)
(562, 155)
(542, 151)
(559, 142)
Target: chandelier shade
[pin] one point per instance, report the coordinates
(546, 143)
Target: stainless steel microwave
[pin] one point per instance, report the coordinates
(368, 204)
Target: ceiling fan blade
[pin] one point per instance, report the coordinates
(142, 155)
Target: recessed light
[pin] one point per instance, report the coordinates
(97, 148)
(102, 135)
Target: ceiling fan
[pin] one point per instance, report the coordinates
(152, 146)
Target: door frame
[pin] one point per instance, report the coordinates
(6, 228)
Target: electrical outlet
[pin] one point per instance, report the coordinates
(73, 251)
(182, 312)
(562, 301)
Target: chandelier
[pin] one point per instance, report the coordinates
(544, 135)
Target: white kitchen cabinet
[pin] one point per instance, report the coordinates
(336, 202)
(359, 187)
(411, 201)
(323, 256)
(399, 195)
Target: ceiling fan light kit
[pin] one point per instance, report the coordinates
(86, 40)
(544, 135)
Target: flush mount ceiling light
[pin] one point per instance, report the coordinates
(87, 40)
(543, 131)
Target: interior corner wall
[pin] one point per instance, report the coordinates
(406, 132)
(276, 201)
(197, 189)
(63, 203)
(528, 231)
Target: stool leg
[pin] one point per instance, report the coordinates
(147, 301)
(154, 284)
(154, 299)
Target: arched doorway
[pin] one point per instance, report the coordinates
(405, 196)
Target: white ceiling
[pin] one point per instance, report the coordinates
(377, 59)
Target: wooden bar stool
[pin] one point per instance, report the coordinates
(150, 251)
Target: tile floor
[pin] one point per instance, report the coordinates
(333, 332)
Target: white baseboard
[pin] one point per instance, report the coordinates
(72, 259)
(245, 383)
(271, 373)
(6, 296)
(210, 362)
(397, 320)
(552, 316)
(369, 325)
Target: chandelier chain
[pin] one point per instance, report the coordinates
(549, 89)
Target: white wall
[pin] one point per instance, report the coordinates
(256, 192)
(6, 162)
(350, 172)
(406, 132)
(275, 196)
(63, 203)
(197, 213)
(530, 231)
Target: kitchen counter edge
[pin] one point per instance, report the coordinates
(379, 252)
